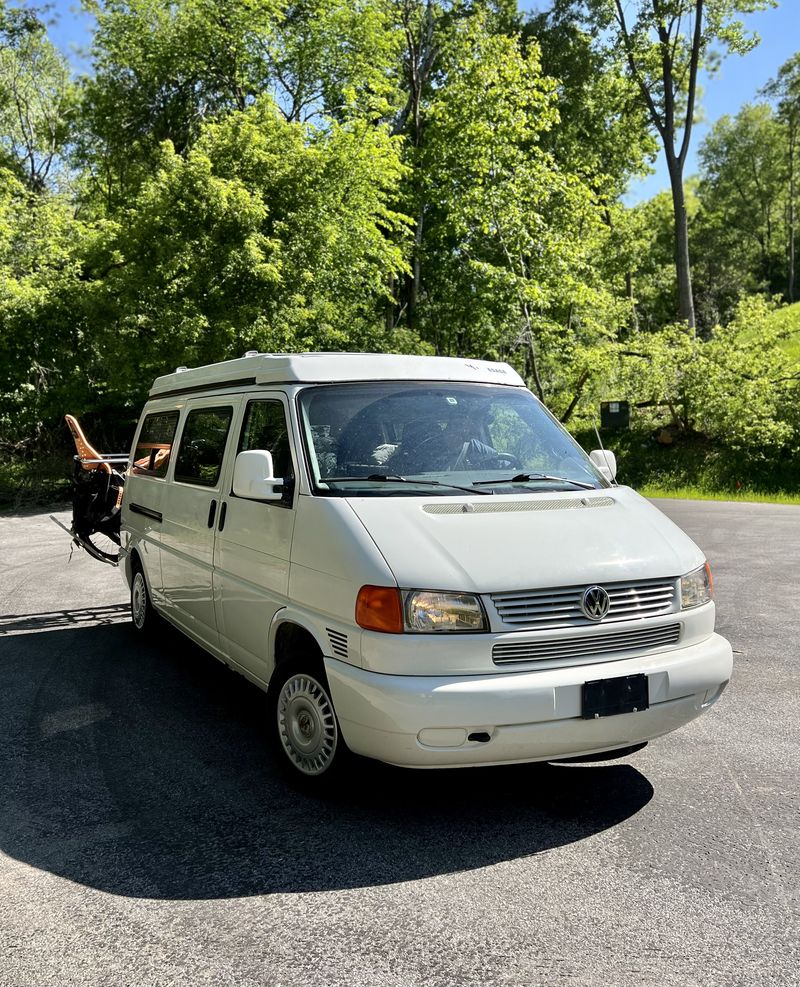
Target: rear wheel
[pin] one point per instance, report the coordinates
(306, 729)
(143, 615)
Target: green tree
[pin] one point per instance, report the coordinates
(42, 348)
(265, 234)
(665, 44)
(333, 60)
(784, 89)
(160, 69)
(37, 98)
(740, 228)
(738, 388)
(603, 133)
(510, 233)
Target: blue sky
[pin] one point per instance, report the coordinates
(736, 83)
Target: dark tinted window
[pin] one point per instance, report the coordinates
(265, 428)
(203, 446)
(154, 445)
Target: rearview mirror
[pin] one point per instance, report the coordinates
(606, 462)
(252, 476)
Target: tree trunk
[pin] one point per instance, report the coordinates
(631, 298)
(792, 212)
(682, 268)
(388, 316)
(416, 274)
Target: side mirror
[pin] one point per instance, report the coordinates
(252, 476)
(606, 462)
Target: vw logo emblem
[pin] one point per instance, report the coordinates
(595, 603)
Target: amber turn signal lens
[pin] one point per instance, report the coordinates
(710, 581)
(378, 608)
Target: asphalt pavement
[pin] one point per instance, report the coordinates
(147, 838)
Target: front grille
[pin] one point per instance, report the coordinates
(551, 608)
(586, 645)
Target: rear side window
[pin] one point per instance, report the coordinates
(265, 428)
(203, 446)
(154, 446)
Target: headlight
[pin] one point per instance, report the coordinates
(431, 612)
(697, 587)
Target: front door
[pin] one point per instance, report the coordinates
(191, 512)
(253, 544)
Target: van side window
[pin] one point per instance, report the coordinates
(203, 446)
(265, 428)
(154, 445)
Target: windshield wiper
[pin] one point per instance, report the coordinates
(524, 477)
(396, 478)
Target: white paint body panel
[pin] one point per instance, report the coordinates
(493, 552)
(529, 716)
(413, 699)
(326, 368)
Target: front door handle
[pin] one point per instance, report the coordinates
(212, 513)
(222, 514)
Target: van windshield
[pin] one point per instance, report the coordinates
(398, 438)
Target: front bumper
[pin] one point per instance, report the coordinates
(426, 721)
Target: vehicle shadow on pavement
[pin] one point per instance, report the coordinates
(142, 770)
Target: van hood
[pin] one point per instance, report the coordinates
(525, 541)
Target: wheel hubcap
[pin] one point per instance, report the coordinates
(139, 600)
(306, 724)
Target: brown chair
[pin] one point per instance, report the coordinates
(86, 451)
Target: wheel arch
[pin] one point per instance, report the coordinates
(289, 632)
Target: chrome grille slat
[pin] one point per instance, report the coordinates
(581, 645)
(586, 646)
(561, 606)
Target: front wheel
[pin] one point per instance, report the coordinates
(143, 615)
(306, 726)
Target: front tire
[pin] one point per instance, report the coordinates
(305, 724)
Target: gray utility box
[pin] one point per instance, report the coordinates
(615, 414)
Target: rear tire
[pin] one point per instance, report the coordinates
(143, 616)
(305, 728)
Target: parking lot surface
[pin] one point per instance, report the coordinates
(146, 837)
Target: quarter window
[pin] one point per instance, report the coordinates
(203, 446)
(265, 428)
(154, 446)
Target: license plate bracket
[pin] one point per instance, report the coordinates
(610, 697)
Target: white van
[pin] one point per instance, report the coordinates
(415, 561)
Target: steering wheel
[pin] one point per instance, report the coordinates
(507, 459)
(500, 460)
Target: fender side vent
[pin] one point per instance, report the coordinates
(338, 642)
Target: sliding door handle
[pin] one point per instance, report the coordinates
(212, 513)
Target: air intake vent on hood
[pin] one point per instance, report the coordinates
(513, 506)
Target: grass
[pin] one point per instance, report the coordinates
(696, 493)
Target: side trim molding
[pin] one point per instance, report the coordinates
(147, 512)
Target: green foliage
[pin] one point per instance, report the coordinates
(787, 320)
(433, 176)
(739, 236)
(604, 133)
(37, 98)
(40, 246)
(739, 388)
